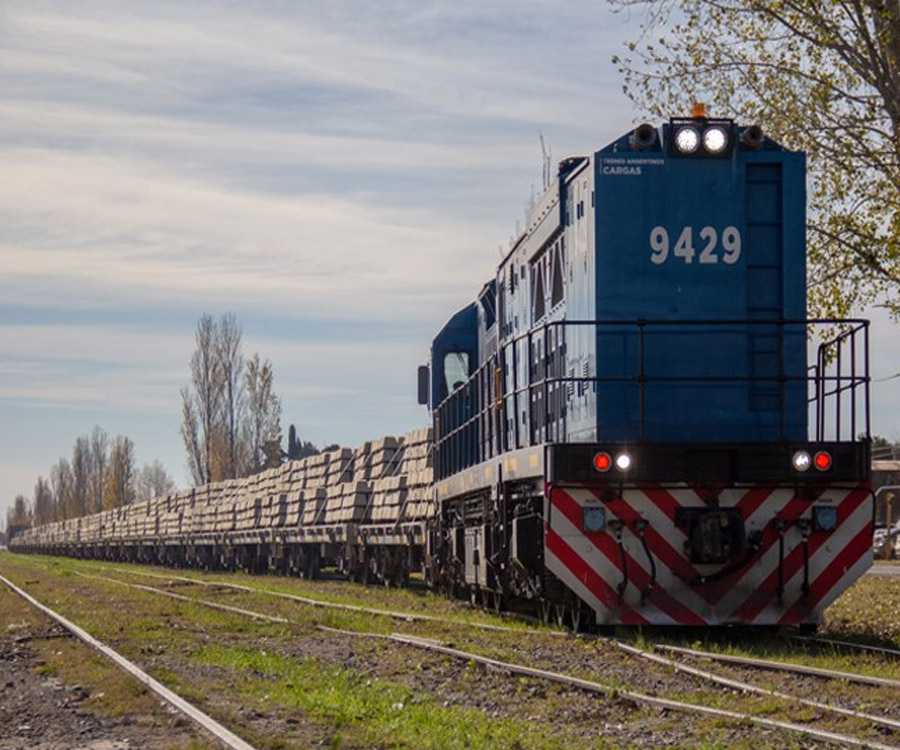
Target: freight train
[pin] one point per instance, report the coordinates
(633, 423)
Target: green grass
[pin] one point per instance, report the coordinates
(233, 660)
(363, 711)
(869, 611)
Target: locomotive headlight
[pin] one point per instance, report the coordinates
(687, 139)
(623, 462)
(715, 139)
(801, 461)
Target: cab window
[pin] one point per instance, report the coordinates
(456, 370)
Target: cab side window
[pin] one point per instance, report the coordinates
(456, 370)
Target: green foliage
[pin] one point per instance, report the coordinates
(818, 75)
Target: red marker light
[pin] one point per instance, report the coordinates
(822, 461)
(602, 461)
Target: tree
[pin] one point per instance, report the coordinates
(119, 480)
(81, 477)
(262, 428)
(299, 449)
(231, 370)
(18, 516)
(99, 453)
(62, 483)
(152, 481)
(201, 402)
(44, 503)
(231, 417)
(821, 76)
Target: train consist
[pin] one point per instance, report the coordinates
(365, 509)
(633, 423)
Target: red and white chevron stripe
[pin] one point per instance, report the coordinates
(590, 564)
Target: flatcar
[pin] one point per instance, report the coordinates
(635, 422)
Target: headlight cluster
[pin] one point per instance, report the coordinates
(803, 461)
(603, 462)
(699, 136)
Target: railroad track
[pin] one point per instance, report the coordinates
(833, 644)
(886, 723)
(221, 733)
(800, 669)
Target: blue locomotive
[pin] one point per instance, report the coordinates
(635, 422)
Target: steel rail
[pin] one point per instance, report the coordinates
(407, 616)
(609, 690)
(183, 598)
(743, 661)
(597, 687)
(779, 666)
(890, 653)
(748, 687)
(221, 733)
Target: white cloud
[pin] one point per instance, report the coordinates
(117, 231)
(301, 163)
(171, 51)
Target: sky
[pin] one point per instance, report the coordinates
(340, 174)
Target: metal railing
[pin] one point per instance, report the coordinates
(523, 394)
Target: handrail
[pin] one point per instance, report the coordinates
(838, 392)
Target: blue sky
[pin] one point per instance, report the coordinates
(340, 174)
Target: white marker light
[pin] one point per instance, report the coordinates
(801, 461)
(623, 462)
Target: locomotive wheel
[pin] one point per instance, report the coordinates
(495, 601)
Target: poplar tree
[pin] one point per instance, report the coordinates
(99, 460)
(262, 428)
(201, 401)
(230, 360)
(44, 503)
(119, 487)
(62, 483)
